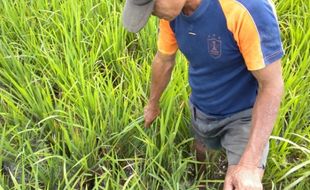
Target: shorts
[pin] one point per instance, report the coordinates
(231, 133)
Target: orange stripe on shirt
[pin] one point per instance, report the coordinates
(166, 43)
(242, 25)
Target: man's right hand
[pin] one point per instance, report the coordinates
(162, 67)
(151, 111)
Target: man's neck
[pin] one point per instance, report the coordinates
(190, 6)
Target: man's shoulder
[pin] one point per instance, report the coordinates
(254, 4)
(257, 8)
(260, 12)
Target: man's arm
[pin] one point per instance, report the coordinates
(247, 175)
(161, 73)
(265, 112)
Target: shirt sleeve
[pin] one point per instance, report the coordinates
(255, 27)
(166, 43)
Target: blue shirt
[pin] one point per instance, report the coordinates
(223, 40)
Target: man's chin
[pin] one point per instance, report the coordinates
(168, 18)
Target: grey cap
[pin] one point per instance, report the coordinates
(136, 14)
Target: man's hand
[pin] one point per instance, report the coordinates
(151, 111)
(161, 72)
(241, 177)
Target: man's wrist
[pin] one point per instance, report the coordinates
(251, 156)
(248, 160)
(153, 103)
(248, 165)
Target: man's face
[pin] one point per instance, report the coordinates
(168, 9)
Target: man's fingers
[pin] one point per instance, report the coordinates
(228, 185)
(149, 121)
(149, 116)
(146, 125)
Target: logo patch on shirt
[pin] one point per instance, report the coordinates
(214, 46)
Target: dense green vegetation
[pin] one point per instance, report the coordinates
(73, 84)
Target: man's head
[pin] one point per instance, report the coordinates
(137, 12)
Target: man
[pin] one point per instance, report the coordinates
(234, 51)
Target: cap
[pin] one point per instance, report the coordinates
(136, 14)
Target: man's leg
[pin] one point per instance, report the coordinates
(200, 127)
(200, 151)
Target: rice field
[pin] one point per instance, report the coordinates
(73, 84)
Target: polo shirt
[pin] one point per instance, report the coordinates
(223, 40)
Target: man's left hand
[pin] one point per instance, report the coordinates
(241, 177)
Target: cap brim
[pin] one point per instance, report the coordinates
(135, 17)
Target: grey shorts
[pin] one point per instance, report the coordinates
(230, 133)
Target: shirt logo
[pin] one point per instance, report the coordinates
(214, 46)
